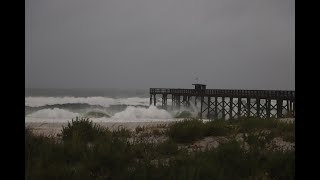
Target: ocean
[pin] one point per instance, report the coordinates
(99, 105)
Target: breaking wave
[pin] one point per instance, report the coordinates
(54, 113)
(131, 113)
(96, 114)
(134, 113)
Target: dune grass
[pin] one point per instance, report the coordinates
(89, 151)
(190, 130)
(186, 131)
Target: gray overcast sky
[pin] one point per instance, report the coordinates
(236, 44)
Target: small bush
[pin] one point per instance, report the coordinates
(157, 132)
(217, 127)
(257, 140)
(253, 124)
(162, 125)
(288, 114)
(139, 129)
(167, 148)
(144, 150)
(286, 130)
(121, 132)
(280, 165)
(289, 137)
(82, 130)
(186, 131)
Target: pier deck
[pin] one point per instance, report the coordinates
(222, 103)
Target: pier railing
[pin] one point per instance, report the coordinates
(227, 93)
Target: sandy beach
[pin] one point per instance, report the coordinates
(55, 128)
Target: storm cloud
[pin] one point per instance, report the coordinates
(232, 44)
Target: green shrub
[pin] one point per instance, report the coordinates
(82, 130)
(285, 129)
(144, 150)
(44, 157)
(257, 140)
(217, 127)
(253, 124)
(139, 129)
(157, 132)
(186, 131)
(162, 125)
(289, 137)
(121, 132)
(288, 114)
(167, 148)
(280, 165)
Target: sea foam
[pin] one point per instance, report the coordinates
(134, 113)
(54, 113)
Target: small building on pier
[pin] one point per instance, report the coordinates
(199, 86)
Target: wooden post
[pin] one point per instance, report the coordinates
(289, 107)
(195, 101)
(164, 101)
(201, 106)
(208, 114)
(258, 107)
(188, 101)
(172, 101)
(185, 100)
(239, 107)
(231, 107)
(279, 108)
(216, 107)
(154, 99)
(178, 101)
(268, 102)
(248, 107)
(223, 109)
(150, 99)
(293, 109)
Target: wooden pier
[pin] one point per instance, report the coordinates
(226, 103)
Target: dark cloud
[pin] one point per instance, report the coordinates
(247, 44)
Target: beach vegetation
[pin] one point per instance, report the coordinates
(186, 131)
(82, 130)
(88, 151)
